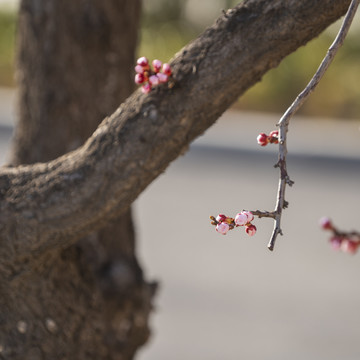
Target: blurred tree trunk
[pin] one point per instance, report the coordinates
(87, 301)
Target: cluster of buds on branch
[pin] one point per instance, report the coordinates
(347, 242)
(272, 138)
(224, 223)
(149, 77)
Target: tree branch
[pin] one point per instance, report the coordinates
(293, 108)
(51, 205)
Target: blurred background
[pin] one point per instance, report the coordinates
(168, 25)
(228, 297)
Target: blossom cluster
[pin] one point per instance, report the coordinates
(346, 242)
(149, 77)
(224, 223)
(272, 138)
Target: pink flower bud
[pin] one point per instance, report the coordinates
(262, 139)
(156, 65)
(154, 80)
(349, 246)
(139, 78)
(241, 219)
(274, 133)
(139, 69)
(222, 228)
(146, 88)
(249, 215)
(250, 230)
(274, 137)
(162, 77)
(142, 61)
(325, 223)
(166, 69)
(335, 242)
(220, 218)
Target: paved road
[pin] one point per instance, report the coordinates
(228, 297)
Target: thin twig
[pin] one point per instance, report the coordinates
(261, 214)
(355, 235)
(285, 119)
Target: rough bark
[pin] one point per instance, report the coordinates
(47, 207)
(89, 300)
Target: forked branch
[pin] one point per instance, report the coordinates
(294, 107)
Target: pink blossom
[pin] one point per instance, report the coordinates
(163, 78)
(241, 219)
(222, 228)
(154, 80)
(274, 137)
(156, 65)
(249, 215)
(139, 69)
(146, 88)
(335, 242)
(220, 218)
(325, 223)
(166, 69)
(142, 61)
(250, 230)
(349, 246)
(139, 78)
(262, 139)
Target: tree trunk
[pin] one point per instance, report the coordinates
(87, 301)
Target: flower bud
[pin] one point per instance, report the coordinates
(142, 61)
(262, 139)
(162, 77)
(325, 223)
(241, 219)
(274, 137)
(156, 65)
(250, 229)
(222, 228)
(166, 69)
(220, 218)
(249, 215)
(349, 246)
(146, 88)
(335, 242)
(139, 78)
(139, 69)
(154, 80)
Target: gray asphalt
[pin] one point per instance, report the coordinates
(228, 297)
